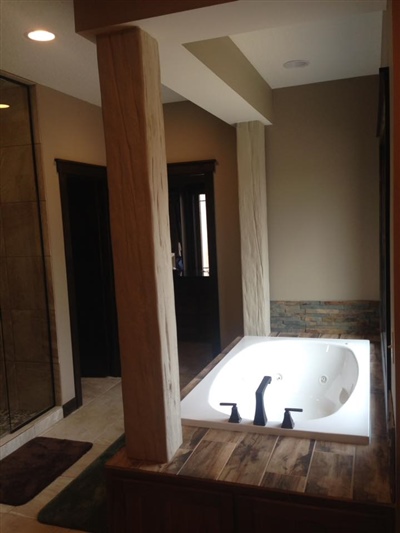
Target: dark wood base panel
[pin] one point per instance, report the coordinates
(148, 502)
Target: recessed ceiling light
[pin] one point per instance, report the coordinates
(40, 35)
(4, 106)
(296, 63)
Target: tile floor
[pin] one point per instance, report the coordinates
(99, 420)
(102, 403)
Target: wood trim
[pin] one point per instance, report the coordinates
(65, 168)
(112, 468)
(192, 167)
(395, 71)
(71, 406)
(120, 479)
(92, 16)
(195, 381)
(84, 169)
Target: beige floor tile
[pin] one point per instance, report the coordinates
(5, 508)
(92, 422)
(95, 387)
(100, 421)
(10, 523)
(113, 394)
(84, 461)
(110, 434)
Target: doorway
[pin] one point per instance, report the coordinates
(194, 248)
(88, 251)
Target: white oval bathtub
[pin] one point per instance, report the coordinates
(327, 378)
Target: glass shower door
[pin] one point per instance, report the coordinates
(26, 371)
(5, 421)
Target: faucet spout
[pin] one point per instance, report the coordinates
(260, 418)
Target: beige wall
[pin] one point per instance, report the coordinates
(322, 181)
(192, 134)
(322, 189)
(73, 130)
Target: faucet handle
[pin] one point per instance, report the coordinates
(235, 416)
(288, 421)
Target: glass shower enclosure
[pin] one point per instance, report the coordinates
(26, 370)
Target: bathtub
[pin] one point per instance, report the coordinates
(327, 378)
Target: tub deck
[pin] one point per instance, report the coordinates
(360, 474)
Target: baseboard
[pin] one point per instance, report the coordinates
(70, 407)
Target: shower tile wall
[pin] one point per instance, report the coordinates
(25, 339)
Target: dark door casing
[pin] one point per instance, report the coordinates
(84, 199)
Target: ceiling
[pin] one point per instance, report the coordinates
(339, 38)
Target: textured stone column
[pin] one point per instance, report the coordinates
(138, 189)
(253, 227)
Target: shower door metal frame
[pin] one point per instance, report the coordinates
(383, 133)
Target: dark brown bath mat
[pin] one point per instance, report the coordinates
(28, 470)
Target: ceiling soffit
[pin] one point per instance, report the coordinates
(198, 59)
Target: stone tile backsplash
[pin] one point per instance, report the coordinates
(349, 317)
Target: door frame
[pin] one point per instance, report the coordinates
(196, 172)
(66, 170)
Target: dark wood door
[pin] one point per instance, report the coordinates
(193, 243)
(87, 237)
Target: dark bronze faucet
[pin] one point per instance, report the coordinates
(260, 418)
(288, 422)
(235, 416)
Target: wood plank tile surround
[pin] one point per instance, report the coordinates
(359, 473)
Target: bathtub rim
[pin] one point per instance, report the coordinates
(359, 433)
